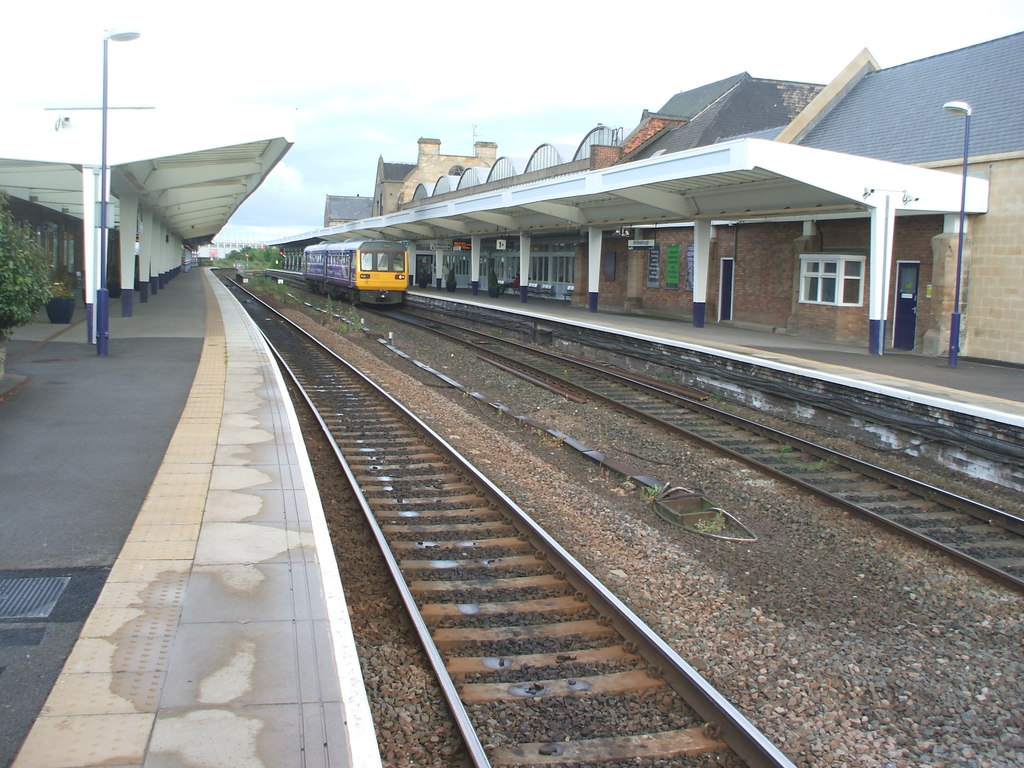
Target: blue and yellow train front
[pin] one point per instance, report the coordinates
(382, 273)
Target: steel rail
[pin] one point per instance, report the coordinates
(954, 502)
(473, 745)
(733, 727)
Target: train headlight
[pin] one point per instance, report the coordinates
(364, 277)
(399, 277)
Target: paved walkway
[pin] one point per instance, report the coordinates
(220, 635)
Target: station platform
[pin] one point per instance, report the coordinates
(980, 389)
(168, 590)
(168, 593)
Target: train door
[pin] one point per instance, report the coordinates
(725, 289)
(904, 331)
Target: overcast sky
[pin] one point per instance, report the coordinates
(369, 79)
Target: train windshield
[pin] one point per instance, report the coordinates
(382, 261)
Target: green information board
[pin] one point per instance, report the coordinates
(672, 267)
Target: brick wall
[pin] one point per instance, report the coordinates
(764, 271)
(766, 275)
(604, 157)
(647, 129)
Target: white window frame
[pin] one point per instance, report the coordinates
(814, 274)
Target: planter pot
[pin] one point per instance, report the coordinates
(450, 287)
(493, 292)
(60, 310)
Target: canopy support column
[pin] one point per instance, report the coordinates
(474, 263)
(883, 220)
(90, 250)
(595, 241)
(524, 266)
(438, 266)
(129, 225)
(701, 260)
(146, 248)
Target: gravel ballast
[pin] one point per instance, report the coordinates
(846, 645)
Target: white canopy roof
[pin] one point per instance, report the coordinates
(738, 180)
(193, 170)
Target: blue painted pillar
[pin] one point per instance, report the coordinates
(474, 264)
(701, 260)
(525, 241)
(595, 241)
(883, 221)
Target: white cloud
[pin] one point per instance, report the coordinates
(369, 79)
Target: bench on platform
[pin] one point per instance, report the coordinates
(541, 290)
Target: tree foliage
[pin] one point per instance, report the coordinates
(256, 258)
(24, 272)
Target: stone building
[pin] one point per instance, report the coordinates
(397, 182)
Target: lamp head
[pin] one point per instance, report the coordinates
(957, 107)
(120, 36)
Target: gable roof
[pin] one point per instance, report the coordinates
(396, 171)
(688, 104)
(896, 114)
(347, 208)
(749, 105)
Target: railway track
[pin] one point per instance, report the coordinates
(987, 538)
(540, 663)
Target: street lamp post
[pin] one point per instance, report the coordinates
(959, 108)
(102, 292)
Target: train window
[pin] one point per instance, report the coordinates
(365, 261)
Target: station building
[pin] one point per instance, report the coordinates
(827, 211)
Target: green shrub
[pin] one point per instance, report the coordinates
(24, 272)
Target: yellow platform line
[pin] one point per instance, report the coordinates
(103, 706)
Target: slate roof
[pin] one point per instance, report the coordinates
(342, 208)
(896, 114)
(742, 105)
(397, 171)
(691, 103)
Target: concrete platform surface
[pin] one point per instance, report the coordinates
(171, 480)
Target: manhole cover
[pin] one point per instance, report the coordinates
(30, 598)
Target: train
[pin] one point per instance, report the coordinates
(361, 271)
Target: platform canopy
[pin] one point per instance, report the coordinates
(740, 180)
(191, 169)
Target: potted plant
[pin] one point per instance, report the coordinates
(450, 281)
(492, 284)
(61, 306)
(24, 276)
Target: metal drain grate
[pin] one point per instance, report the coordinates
(30, 598)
